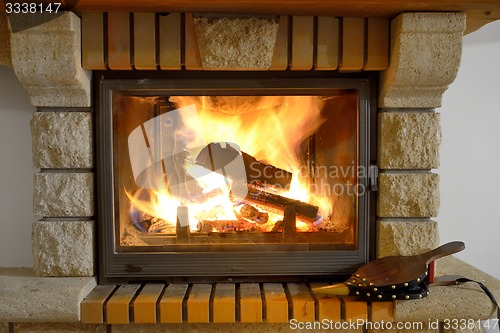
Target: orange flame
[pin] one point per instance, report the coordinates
(272, 132)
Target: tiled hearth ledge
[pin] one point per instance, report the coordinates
(44, 304)
(425, 53)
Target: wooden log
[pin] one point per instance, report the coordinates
(265, 174)
(289, 224)
(274, 202)
(216, 156)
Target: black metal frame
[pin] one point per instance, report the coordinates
(278, 262)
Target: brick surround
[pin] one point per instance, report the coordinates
(425, 50)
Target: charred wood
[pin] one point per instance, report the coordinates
(216, 157)
(274, 202)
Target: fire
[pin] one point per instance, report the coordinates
(272, 133)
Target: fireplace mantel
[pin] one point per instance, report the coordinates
(479, 12)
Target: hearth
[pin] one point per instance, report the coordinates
(224, 176)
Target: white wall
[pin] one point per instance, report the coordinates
(470, 153)
(16, 172)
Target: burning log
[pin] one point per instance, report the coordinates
(275, 202)
(217, 156)
(249, 212)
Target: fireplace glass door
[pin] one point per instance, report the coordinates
(233, 179)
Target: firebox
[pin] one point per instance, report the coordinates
(230, 177)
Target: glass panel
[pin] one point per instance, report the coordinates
(236, 163)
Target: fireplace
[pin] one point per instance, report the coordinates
(234, 177)
(54, 61)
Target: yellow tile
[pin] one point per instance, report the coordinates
(117, 308)
(145, 303)
(250, 303)
(276, 303)
(353, 44)
(145, 41)
(93, 40)
(280, 53)
(119, 41)
(302, 302)
(382, 311)
(328, 305)
(327, 48)
(192, 50)
(355, 308)
(171, 303)
(170, 41)
(377, 53)
(92, 307)
(198, 303)
(224, 303)
(302, 43)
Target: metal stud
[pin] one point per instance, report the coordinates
(405, 284)
(371, 283)
(418, 279)
(348, 282)
(357, 275)
(393, 296)
(426, 273)
(375, 289)
(393, 287)
(357, 293)
(420, 296)
(379, 296)
(363, 279)
(427, 293)
(407, 297)
(368, 295)
(361, 285)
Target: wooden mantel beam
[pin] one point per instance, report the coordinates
(360, 8)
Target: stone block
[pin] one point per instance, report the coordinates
(426, 49)
(64, 248)
(409, 140)
(26, 298)
(62, 140)
(408, 194)
(236, 43)
(63, 194)
(5, 58)
(46, 58)
(58, 328)
(406, 237)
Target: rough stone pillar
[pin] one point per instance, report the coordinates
(46, 58)
(47, 61)
(425, 56)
